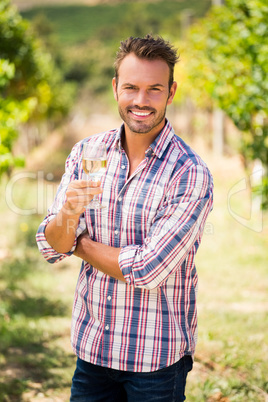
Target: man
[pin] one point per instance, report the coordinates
(134, 324)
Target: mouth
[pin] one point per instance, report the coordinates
(140, 114)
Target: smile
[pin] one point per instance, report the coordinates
(141, 114)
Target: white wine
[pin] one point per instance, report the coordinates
(95, 167)
(94, 163)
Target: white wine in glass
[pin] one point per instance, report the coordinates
(94, 161)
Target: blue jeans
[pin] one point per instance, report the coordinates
(95, 383)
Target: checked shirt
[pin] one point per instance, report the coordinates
(157, 217)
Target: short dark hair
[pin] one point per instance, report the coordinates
(149, 48)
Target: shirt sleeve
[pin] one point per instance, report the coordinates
(175, 233)
(71, 173)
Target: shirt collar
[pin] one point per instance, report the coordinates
(161, 142)
(158, 146)
(118, 137)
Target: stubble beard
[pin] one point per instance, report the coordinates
(140, 127)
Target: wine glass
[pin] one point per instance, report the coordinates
(94, 159)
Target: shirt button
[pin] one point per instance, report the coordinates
(120, 199)
(109, 298)
(116, 232)
(107, 327)
(123, 167)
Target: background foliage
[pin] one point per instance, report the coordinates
(32, 87)
(88, 52)
(74, 46)
(226, 57)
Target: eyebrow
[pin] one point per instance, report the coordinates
(128, 84)
(157, 85)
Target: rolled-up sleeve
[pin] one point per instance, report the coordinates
(71, 173)
(46, 250)
(175, 233)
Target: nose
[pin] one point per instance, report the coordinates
(141, 98)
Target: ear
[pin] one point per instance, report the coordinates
(172, 92)
(114, 89)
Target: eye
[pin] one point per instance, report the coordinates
(129, 87)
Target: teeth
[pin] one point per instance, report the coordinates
(141, 113)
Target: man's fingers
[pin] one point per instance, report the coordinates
(84, 184)
(78, 188)
(82, 192)
(76, 203)
(79, 193)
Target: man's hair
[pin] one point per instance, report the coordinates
(148, 48)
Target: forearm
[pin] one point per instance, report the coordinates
(60, 232)
(100, 256)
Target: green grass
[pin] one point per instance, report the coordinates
(36, 300)
(35, 307)
(75, 24)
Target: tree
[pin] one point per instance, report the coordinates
(31, 87)
(12, 112)
(227, 55)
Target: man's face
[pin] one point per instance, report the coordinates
(142, 93)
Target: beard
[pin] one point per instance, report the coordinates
(140, 126)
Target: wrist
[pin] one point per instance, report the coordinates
(83, 246)
(72, 212)
(67, 221)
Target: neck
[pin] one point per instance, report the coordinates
(136, 144)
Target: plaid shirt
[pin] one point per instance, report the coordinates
(156, 217)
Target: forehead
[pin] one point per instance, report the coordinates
(135, 69)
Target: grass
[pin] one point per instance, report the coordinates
(36, 360)
(35, 309)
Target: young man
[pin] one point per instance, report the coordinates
(134, 324)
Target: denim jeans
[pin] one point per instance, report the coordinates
(95, 383)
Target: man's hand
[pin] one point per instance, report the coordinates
(79, 193)
(102, 257)
(60, 232)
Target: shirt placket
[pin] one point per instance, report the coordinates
(107, 332)
(122, 181)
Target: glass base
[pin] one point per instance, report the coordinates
(94, 204)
